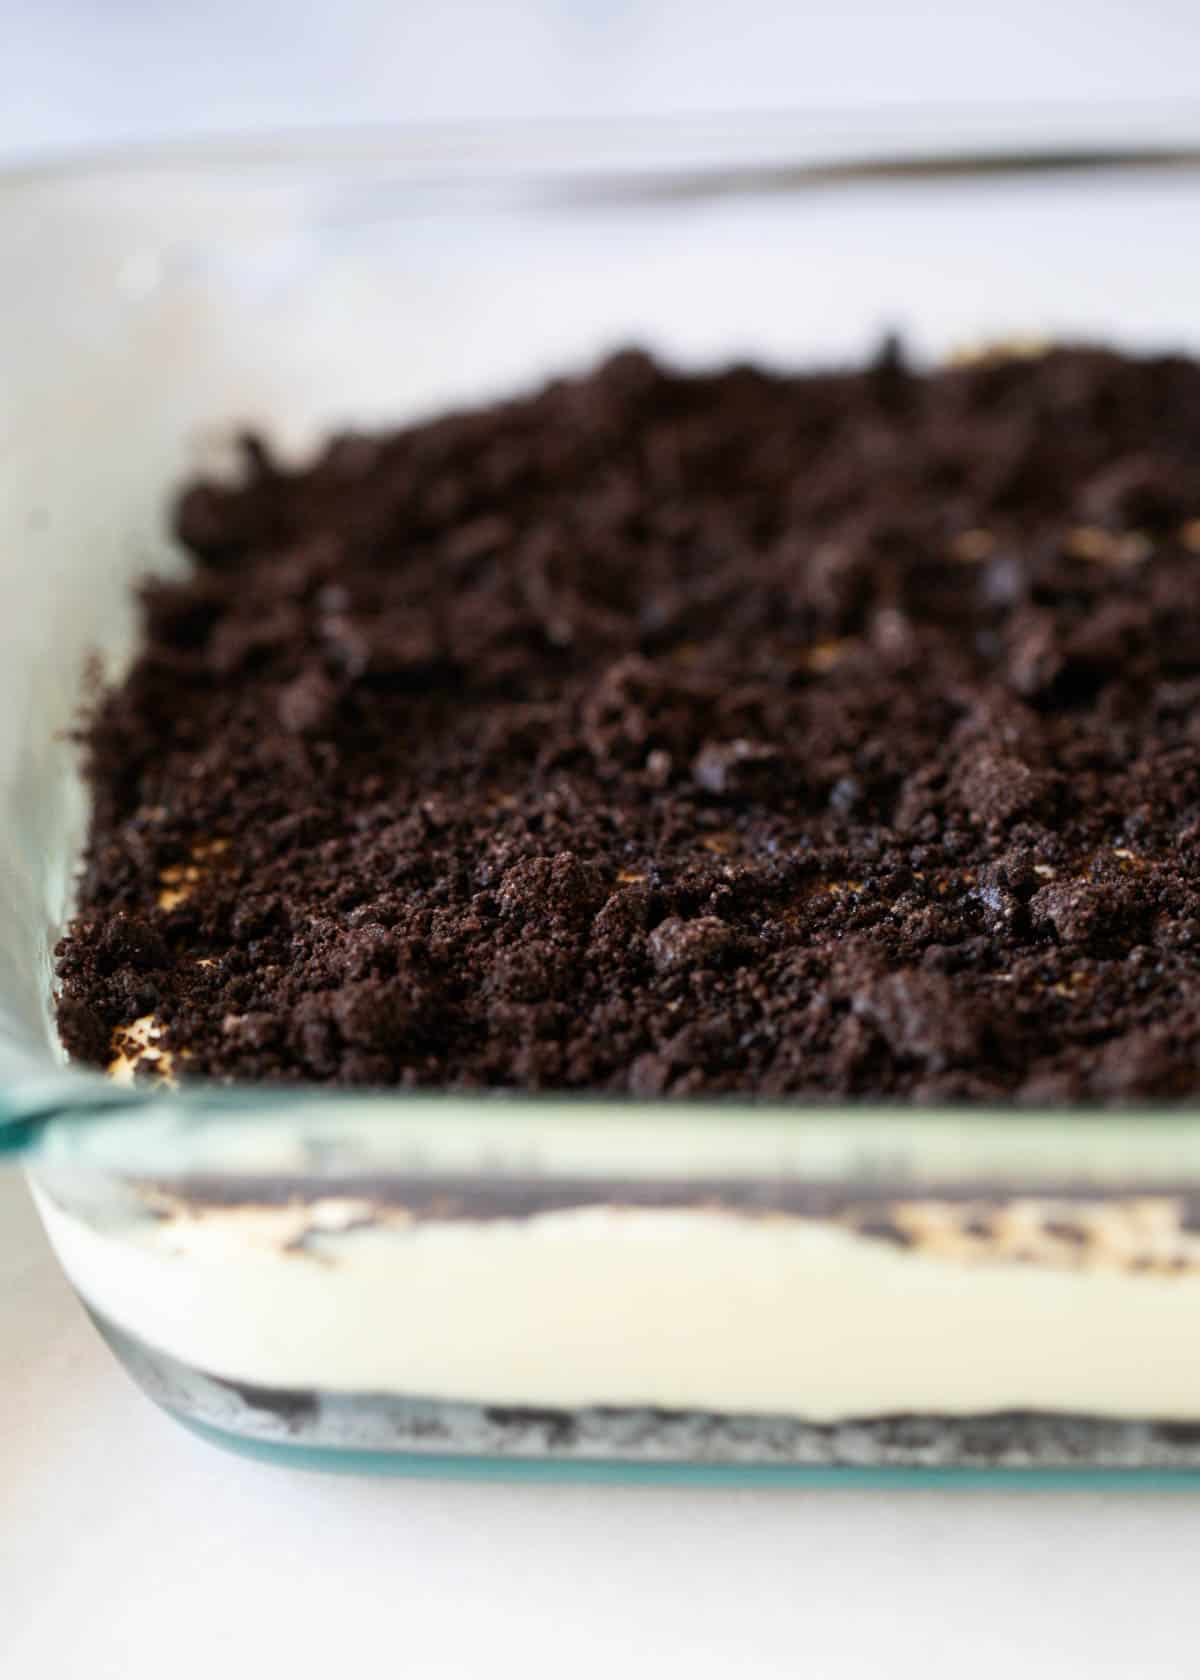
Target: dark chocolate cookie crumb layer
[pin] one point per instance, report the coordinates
(835, 734)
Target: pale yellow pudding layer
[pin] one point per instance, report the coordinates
(138, 1044)
(691, 1309)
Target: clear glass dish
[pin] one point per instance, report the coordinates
(542, 1286)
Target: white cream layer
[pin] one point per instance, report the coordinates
(688, 1309)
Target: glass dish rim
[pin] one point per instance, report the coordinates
(831, 144)
(670, 155)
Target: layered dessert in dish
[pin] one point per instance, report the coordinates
(688, 1320)
(667, 735)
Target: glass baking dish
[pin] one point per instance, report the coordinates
(526, 1285)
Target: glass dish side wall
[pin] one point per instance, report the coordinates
(543, 1280)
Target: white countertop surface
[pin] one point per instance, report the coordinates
(130, 1550)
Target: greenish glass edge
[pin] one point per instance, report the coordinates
(88, 1122)
(30, 1107)
(676, 1473)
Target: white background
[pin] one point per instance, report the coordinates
(126, 1548)
(78, 71)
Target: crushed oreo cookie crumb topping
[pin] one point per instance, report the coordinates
(826, 735)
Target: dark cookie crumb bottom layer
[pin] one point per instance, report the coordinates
(402, 1425)
(832, 735)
